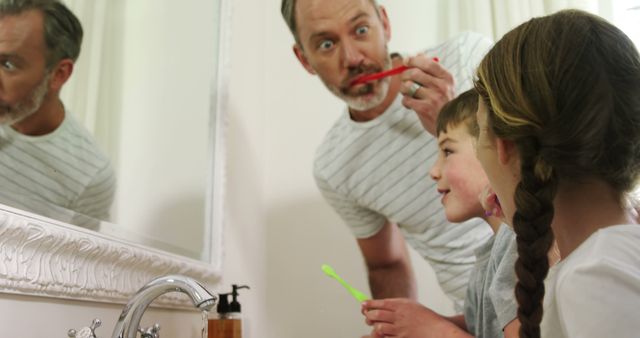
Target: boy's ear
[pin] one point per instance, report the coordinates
(297, 50)
(506, 150)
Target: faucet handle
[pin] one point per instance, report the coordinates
(150, 332)
(86, 332)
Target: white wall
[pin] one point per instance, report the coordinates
(302, 231)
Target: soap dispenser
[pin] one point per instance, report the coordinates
(228, 322)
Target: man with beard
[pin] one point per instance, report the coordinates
(49, 164)
(372, 166)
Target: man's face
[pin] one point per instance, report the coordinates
(458, 174)
(341, 40)
(23, 77)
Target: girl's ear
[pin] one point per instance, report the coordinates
(506, 150)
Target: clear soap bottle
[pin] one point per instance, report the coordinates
(227, 323)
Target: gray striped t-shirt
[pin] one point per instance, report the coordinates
(377, 170)
(491, 303)
(61, 175)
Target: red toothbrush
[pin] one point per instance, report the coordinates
(378, 76)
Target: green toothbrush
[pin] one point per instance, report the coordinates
(359, 296)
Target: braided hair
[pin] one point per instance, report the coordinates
(564, 89)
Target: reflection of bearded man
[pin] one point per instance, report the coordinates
(10, 115)
(361, 99)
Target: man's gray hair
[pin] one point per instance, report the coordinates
(62, 29)
(288, 9)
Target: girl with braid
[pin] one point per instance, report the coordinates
(559, 140)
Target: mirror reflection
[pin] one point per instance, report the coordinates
(115, 135)
(50, 162)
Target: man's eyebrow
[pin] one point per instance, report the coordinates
(8, 55)
(355, 18)
(12, 56)
(318, 35)
(359, 16)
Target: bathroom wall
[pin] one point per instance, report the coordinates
(279, 228)
(302, 231)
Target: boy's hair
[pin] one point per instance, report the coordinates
(460, 110)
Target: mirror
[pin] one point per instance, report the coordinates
(155, 63)
(143, 87)
(149, 85)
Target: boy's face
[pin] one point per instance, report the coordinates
(458, 174)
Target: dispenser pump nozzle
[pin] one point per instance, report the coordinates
(234, 306)
(223, 304)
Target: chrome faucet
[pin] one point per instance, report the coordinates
(129, 321)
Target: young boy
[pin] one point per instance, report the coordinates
(490, 305)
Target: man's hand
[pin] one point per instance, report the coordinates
(405, 318)
(436, 89)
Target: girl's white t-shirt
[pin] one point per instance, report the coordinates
(595, 291)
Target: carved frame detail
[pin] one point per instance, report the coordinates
(43, 257)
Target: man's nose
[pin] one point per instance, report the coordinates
(352, 56)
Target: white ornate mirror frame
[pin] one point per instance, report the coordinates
(43, 257)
